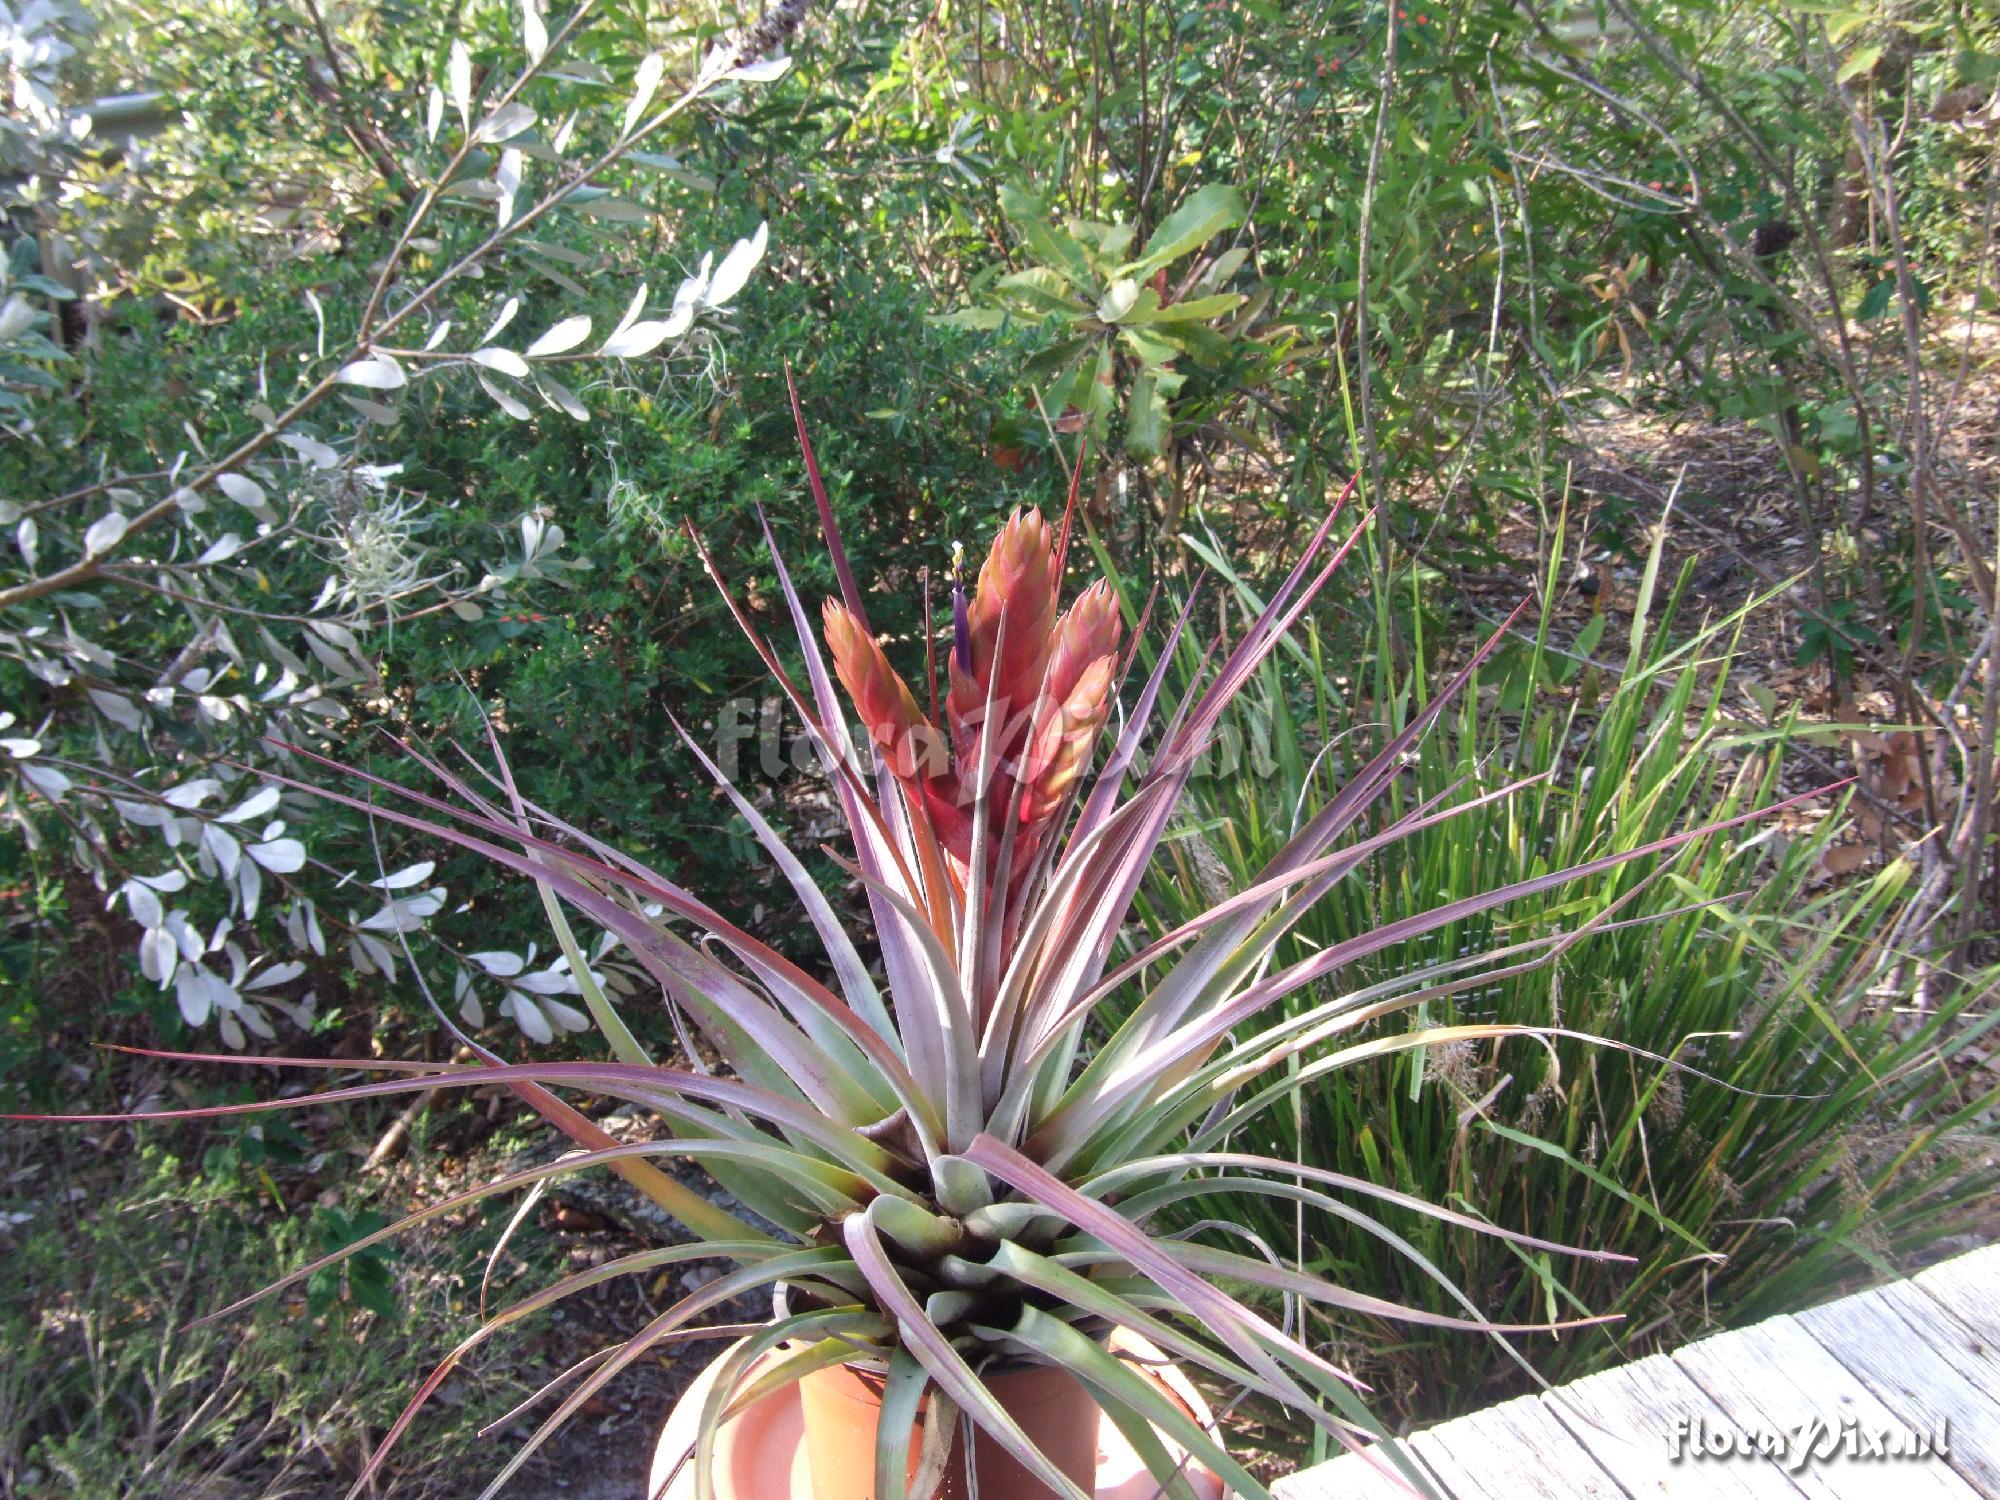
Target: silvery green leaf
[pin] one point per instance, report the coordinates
(255, 805)
(27, 537)
(284, 857)
(247, 493)
(222, 848)
(313, 934)
(559, 142)
(562, 253)
(222, 548)
(378, 372)
(550, 981)
(528, 1016)
(507, 179)
(392, 918)
(21, 749)
(438, 335)
(116, 707)
(374, 411)
(168, 881)
(561, 338)
(672, 167)
(142, 902)
(645, 84)
(564, 400)
(765, 70)
(506, 361)
(534, 34)
(159, 956)
(434, 113)
(334, 631)
(466, 610)
(715, 62)
(460, 77)
(632, 310)
(403, 879)
(736, 267)
(191, 793)
(568, 1017)
(86, 648)
(378, 952)
(192, 945)
(105, 533)
(313, 451)
(249, 887)
(499, 964)
(507, 310)
(277, 974)
(505, 123)
(615, 210)
(687, 298)
(47, 780)
(193, 994)
(640, 338)
(509, 404)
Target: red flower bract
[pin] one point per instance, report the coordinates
(1028, 694)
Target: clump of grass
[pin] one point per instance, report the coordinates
(1822, 1132)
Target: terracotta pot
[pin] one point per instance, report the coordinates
(843, 1408)
(761, 1453)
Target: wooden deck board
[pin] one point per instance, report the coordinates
(1775, 1376)
(1921, 1354)
(1516, 1448)
(1921, 1375)
(1968, 1287)
(1629, 1418)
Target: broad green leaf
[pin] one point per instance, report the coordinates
(1206, 214)
(1055, 249)
(1118, 300)
(1861, 62)
(1194, 310)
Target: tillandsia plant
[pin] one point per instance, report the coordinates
(958, 1163)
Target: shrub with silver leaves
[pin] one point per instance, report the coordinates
(279, 542)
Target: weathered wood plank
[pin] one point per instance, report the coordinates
(1922, 1354)
(1517, 1449)
(1930, 1376)
(1352, 1477)
(1968, 1287)
(1630, 1419)
(1774, 1378)
(1968, 1351)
